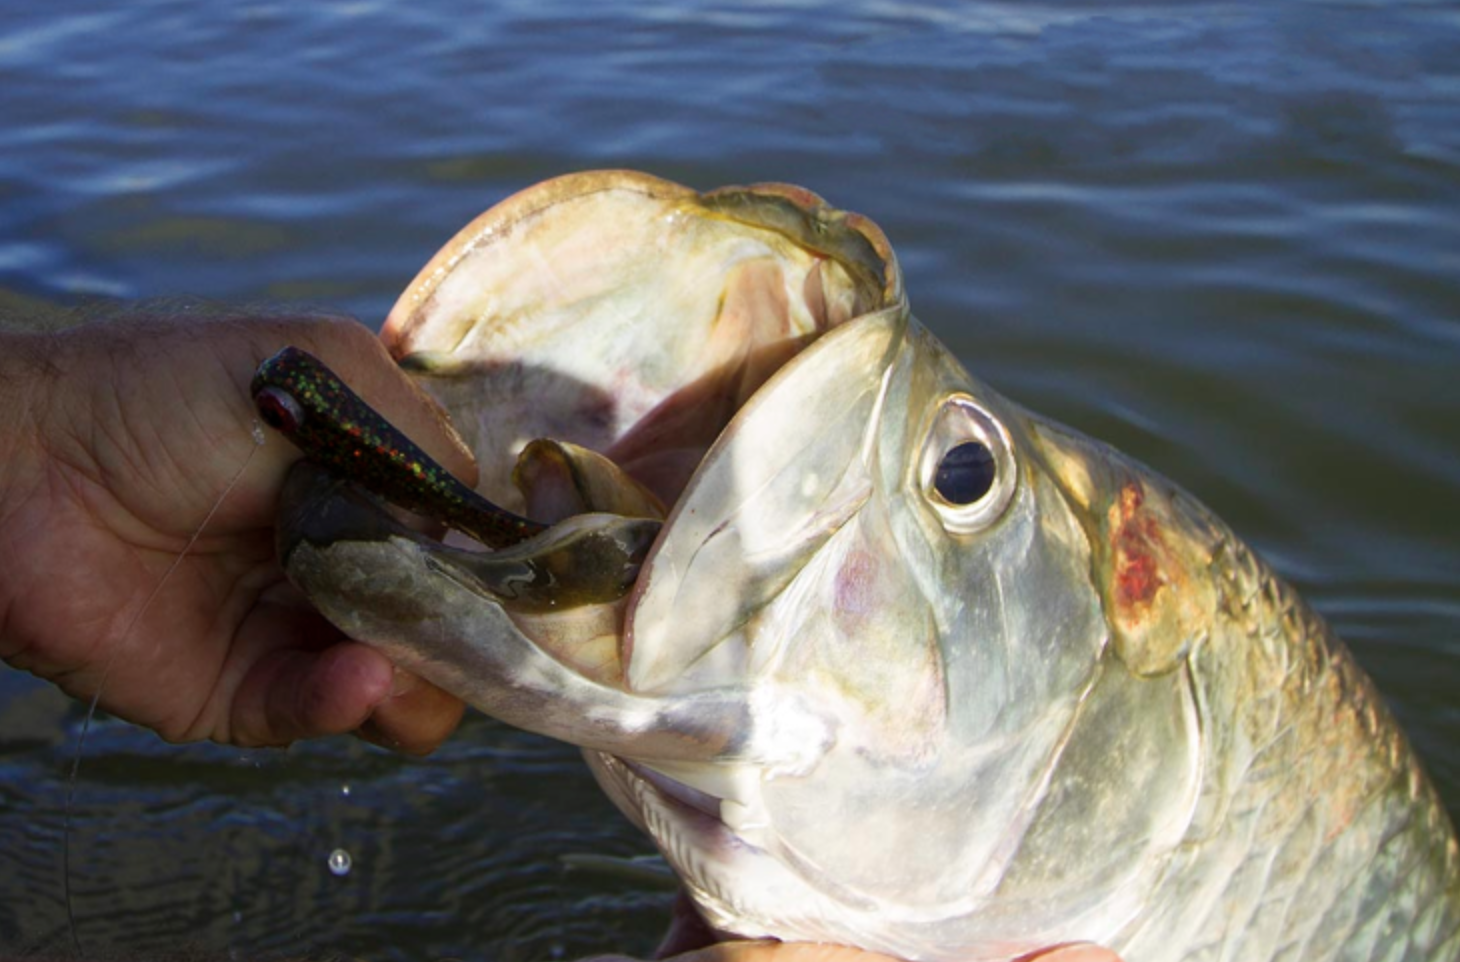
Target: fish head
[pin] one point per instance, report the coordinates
(854, 677)
(879, 538)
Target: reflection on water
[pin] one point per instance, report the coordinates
(1225, 237)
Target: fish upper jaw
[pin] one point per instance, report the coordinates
(792, 468)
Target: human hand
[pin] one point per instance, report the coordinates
(119, 439)
(691, 939)
(818, 952)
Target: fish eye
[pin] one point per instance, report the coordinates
(968, 471)
(280, 410)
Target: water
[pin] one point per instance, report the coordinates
(1225, 237)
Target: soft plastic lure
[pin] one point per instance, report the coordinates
(302, 399)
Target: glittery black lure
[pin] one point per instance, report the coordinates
(302, 399)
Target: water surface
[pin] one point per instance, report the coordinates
(1225, 237)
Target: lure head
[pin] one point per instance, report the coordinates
(292, 387)
(279, 409)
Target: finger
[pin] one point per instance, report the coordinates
(687, 929)
(818, 952)
(765, 951)
(1082, 952)
(292, 694)
(415, 718)
(356, 355)
(305, 679)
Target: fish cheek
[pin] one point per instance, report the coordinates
(1118, 800)
(874, 666)
(873, 652)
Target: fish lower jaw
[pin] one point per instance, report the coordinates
(749, 885)
(725, 859)
(681, 817)
(685, 824)
(690, 801)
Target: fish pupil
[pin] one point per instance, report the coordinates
(965, 474)
(279, 411)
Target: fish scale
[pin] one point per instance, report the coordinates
(1273, 811)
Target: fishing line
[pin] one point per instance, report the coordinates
(257, 432)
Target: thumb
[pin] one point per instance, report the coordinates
(359, 359)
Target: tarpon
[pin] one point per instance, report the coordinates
(907, 667)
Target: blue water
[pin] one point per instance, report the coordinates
(1224, 236)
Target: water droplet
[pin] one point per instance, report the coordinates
(339, 862)
(345, 790)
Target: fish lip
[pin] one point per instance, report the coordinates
(589, 558)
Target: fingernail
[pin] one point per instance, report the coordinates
(371, 733)
(403, 682)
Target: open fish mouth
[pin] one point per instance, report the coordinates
(594, 339)
(630, 316)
